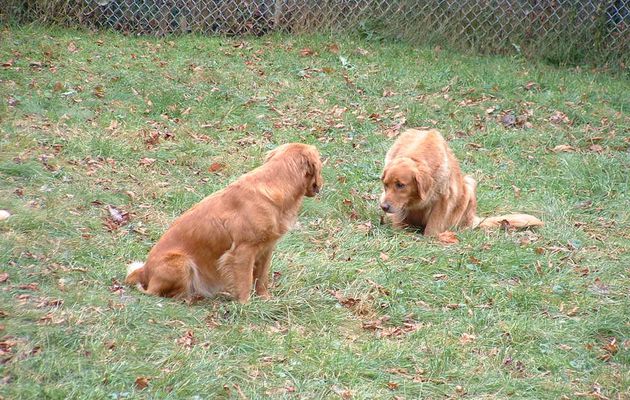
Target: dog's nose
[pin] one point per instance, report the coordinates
(386, 207)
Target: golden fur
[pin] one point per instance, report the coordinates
(224, 243)
(423, 187)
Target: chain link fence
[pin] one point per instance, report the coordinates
(569, 30)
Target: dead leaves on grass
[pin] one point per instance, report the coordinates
(187, 340)
(141, 382)
(447, 238)
(407, 327)
(116, 218)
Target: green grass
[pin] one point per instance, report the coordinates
(498, 315)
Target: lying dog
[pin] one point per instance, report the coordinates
(224, 243)
(425, 188)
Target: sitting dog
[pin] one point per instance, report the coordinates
(423, 187)
(224, 243)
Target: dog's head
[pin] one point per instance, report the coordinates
(405, 182)
(306, 159)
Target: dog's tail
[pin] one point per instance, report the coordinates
(135, 275)
(508, 220)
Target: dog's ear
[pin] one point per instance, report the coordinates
(424, 182)
(313, 172)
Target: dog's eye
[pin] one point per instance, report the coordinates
(400, 185)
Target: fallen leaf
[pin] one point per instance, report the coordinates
(30, 286)
(531, 85)
(563, 148)
(333, 48)
(375, 324)
(99, 91)
(345, 394)
(384, 257)
(392, 385)
(347, 302)
(611, 346)
(596, 148)
(216, 167)
(4, 277)
(12, 101)
(118, 216)
(395, 129)
(559, 117)
(146, 161)
(466, 338)
(142, 382)
(72, 47)
(187, 340)
(448, 237)
(517, 191)
(58, 87)
(388, 93)
(508, 120)
(305, 52)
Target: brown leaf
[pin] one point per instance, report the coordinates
(596, 148)
(448, 237)
(388, 93)
(31, 286)
(4, 277)
(466, 338)
(375, 324)
(559, 117)
(406, 328)
(187, 340)
(72, 47)
(146, 161)
(392, 385)
(395, 129)
(333, 48)
(305, 52)
(517, 191)
(365, 227)
(142, 382)
(99, 91)
(58, 87)
(7, 64)
(531, 86)
(611, 346)
(216, 167)
(384, 257)
(347, 302)
(345, 394)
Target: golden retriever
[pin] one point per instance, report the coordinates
(224, 243)
(423, 187)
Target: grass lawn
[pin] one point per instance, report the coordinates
(105, 139)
